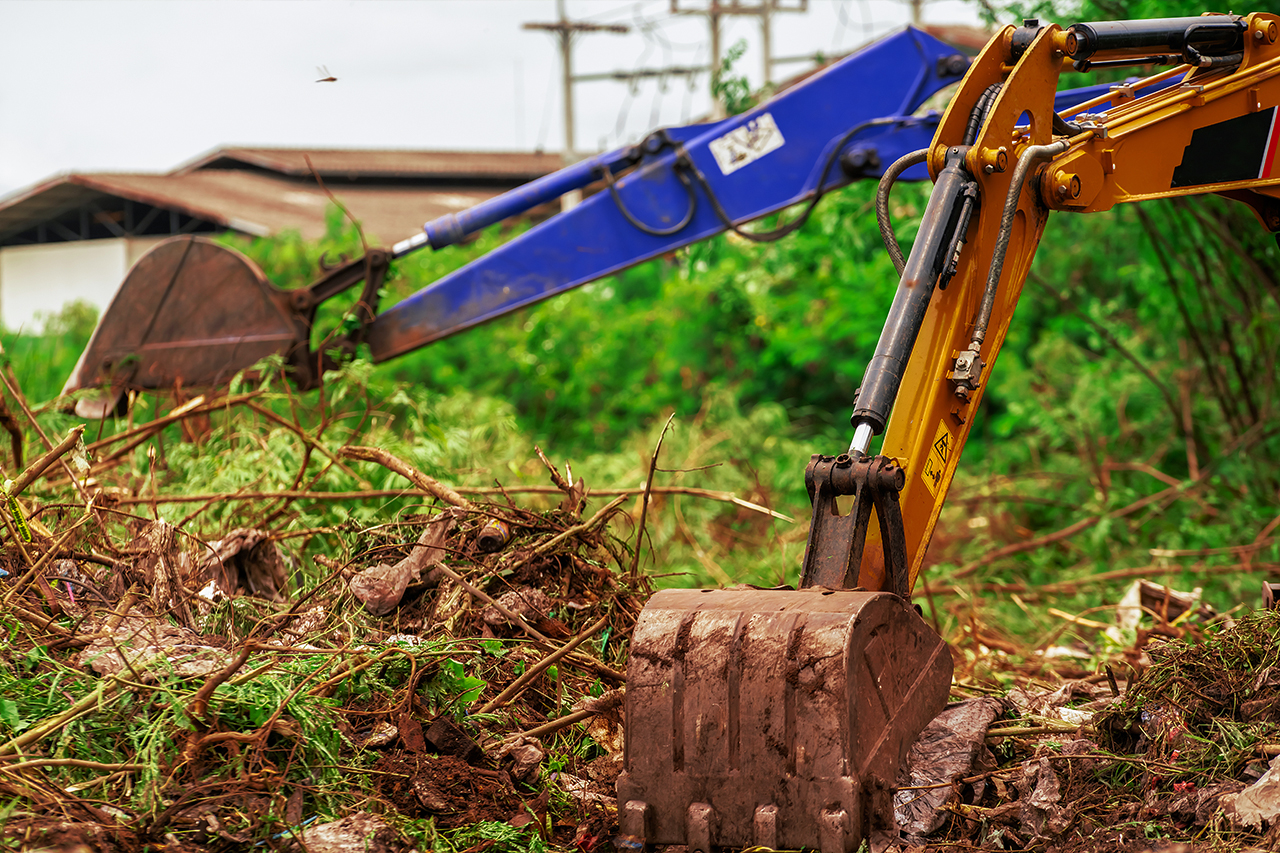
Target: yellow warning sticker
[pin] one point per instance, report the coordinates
(936, 462)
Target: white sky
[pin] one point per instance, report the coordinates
(144, 86)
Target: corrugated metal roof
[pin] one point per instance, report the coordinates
(970, 39)
(234, 187)
(354, 164)
(252, 202)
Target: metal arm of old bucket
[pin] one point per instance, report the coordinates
(371, 269)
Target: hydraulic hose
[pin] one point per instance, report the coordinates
(891, 174)
(979, 112)
(976, 117)
(929, 255)
(1030, 157)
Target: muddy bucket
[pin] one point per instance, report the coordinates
(773, 718)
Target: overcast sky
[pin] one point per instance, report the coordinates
(145, 86)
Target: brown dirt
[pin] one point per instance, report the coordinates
(446, 788)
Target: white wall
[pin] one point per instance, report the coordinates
(45, 277)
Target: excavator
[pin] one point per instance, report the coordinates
(780, 718)
(194, 312)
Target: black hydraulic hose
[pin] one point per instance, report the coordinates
(1030, 157)
(818, 191)
(979, 112)
(1062, 127)
(885, 371)
(977, 116)
(611, 182)
(891, 174)
(1196, 58)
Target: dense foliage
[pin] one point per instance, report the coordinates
(1142, 358)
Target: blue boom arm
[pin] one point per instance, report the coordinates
(785, 151)
(209, 312)
(686, 184)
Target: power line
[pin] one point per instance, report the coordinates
(565, 30)
(714, 10)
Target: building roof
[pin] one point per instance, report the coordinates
(967, 38)
(264, 191)
(352, 164)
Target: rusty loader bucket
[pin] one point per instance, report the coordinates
(192, 313)
(780, 718)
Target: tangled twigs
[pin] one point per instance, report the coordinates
(200, 702)
(136, 437)
(1067, 532)
(591, 708)
(210, 497)
(590, 523)
(107, 689)
(556, 478)
(10, 382)
(404, 469)
(517, 687)
(311, 442)
(574, 493)
(44, 623)
(515, 619)
(40, 563)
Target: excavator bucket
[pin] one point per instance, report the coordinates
(773, 718)
(189, 313)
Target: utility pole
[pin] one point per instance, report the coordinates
(762, 9)
(565, 30)
(766, 42)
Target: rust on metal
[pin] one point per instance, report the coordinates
(190, 312)
(773, 718)
(780, 718)
(193, 313)
(1270, 596)
(833, 555)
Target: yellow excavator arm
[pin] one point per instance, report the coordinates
(780, 718)
(1212, 132)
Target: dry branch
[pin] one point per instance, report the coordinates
(594, 708)
(518, 686)
(708, 494)
(644, 498)
(560, 482)
(38, 467)
(10, 382)
(404, 469)
(107, 689)
(515, 619)
(1061, 588)
(1067, 532)
(585, 526)
(311, 442)
(72, 762)
(200, 702)
(22, 582)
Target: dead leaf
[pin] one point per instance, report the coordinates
(246, 560)
(947, 750)
(1259, 804)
